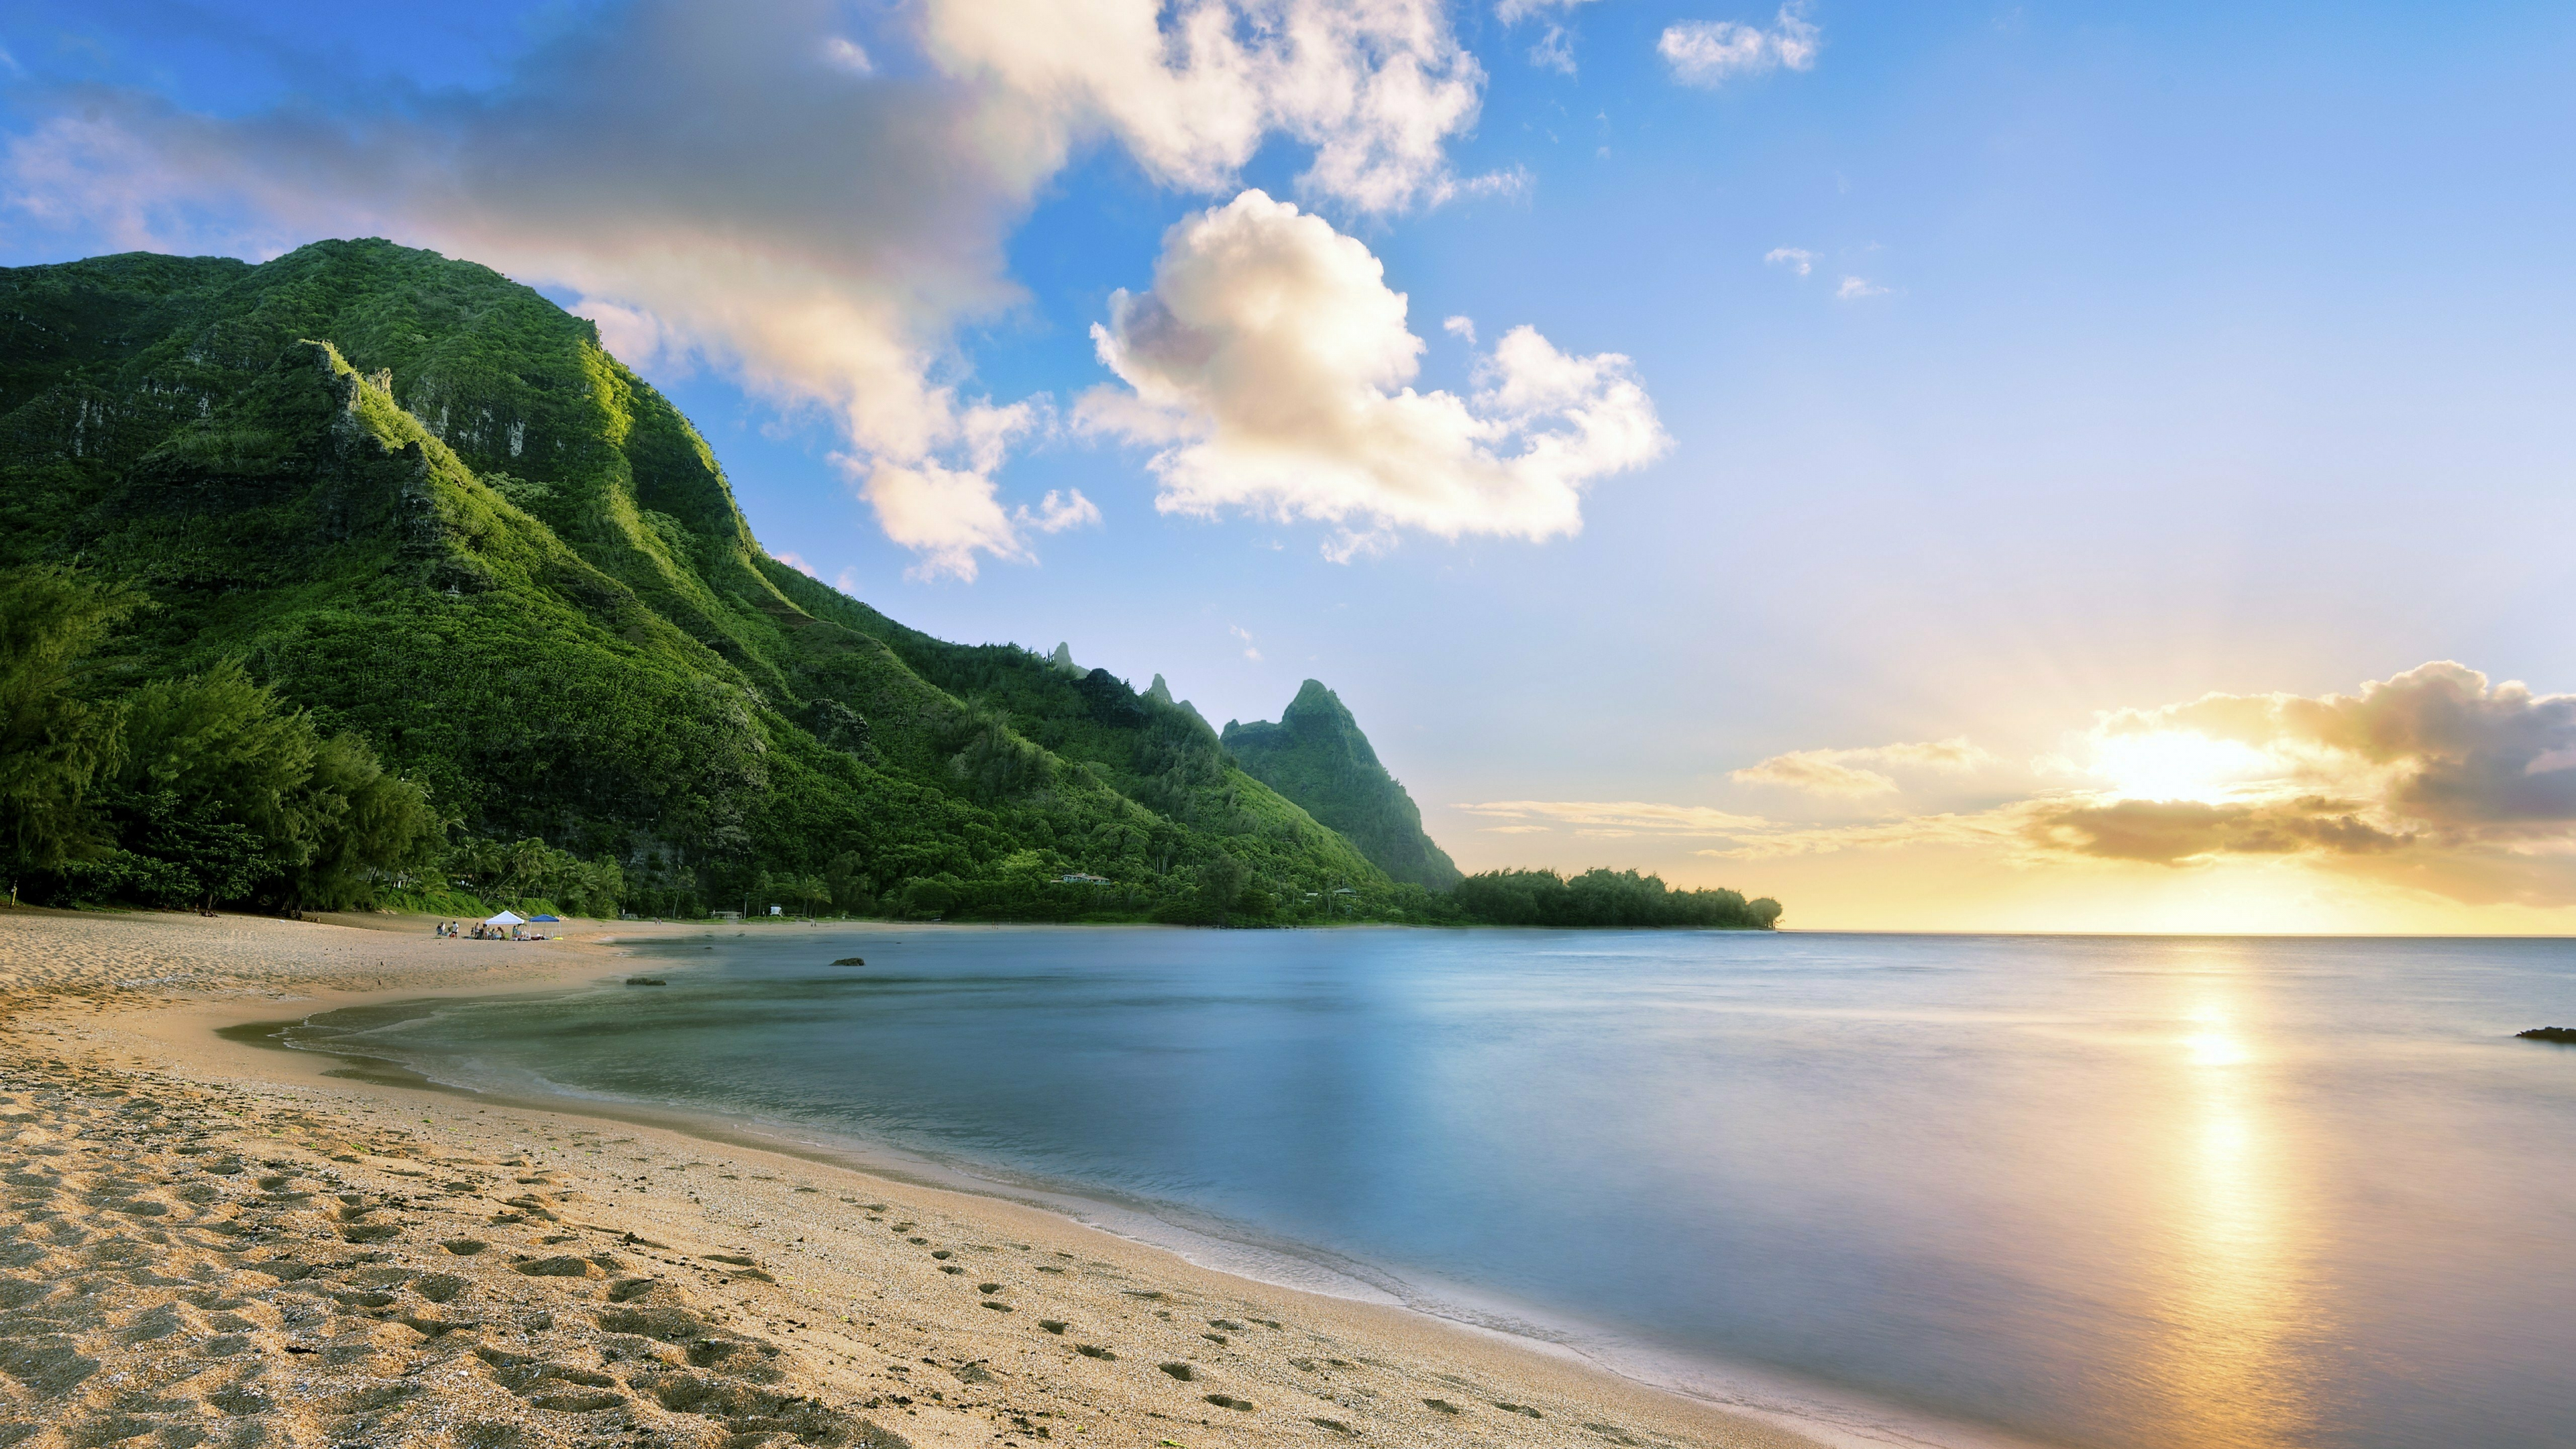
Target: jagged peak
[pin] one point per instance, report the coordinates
(1313, 698)
(1317, 755)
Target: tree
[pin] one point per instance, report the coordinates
(368, 821)
(53, 741)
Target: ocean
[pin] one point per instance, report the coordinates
(2128, 1192)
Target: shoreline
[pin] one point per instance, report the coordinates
(1550, 1392)
(1839, 1419)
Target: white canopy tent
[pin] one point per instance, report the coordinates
(506, 918)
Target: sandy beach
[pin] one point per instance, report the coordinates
(212, 1241)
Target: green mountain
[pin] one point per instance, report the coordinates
(1316, 756)
(420, 506)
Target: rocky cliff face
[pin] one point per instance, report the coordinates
(1317, 756)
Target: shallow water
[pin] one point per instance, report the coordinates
(2092, 1191)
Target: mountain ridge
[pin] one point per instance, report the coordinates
(423, 504)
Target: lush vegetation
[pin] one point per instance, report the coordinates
(414, 510)
(367, 576)
(1604, 898)
(1317, 756)
(181, 791)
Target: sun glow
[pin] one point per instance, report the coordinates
(2179, 765)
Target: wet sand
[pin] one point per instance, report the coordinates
(206, 1241)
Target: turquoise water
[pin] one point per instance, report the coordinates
(2086, 1191)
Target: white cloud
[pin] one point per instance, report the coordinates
(796, 562)
(636, 338)
(1554, 51)
(848, 55)
(1555, 47)
(1249, 652)
(747, 187)
(1845, 772)
(1796, 259)
(947, 515)
(1270, 363)
(1711, 52)
(1059, 511)
(1376, 87)
(1513, 12)
(1855, 288)
(1463, 328)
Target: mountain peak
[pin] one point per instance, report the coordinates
(1317, 756)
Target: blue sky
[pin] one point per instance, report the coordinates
(2125, 355)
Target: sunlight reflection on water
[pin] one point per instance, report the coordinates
(2237, 1296)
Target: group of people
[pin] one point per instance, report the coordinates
(480, 931)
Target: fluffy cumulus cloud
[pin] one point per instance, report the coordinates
(1375, 87)
(2436, 779)
(1712, 52)
(755, 188)
(1848, 772)
(1271, 365)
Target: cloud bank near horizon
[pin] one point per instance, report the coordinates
(811, 211)
(2435, 780)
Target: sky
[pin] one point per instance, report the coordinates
(1961, 467)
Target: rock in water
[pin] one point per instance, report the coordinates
(2563, 1035)
(851, 961)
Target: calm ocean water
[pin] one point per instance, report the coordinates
(2150, 1192)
